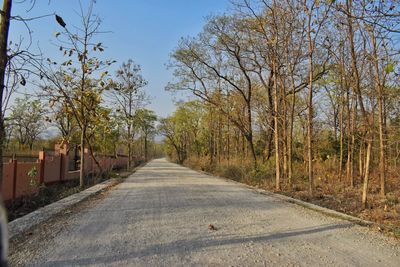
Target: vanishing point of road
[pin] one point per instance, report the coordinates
(160, 216)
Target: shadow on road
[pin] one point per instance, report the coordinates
(185, 247)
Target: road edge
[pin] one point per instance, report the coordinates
(30, 220)
(307, 205)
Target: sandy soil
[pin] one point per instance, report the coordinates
(160, 216)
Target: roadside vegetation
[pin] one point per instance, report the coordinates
(48, 194)
(299, 97)
(79, 98)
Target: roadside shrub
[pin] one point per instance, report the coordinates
(202, 164)
(264, 172)
(300, 174)
(232, 172)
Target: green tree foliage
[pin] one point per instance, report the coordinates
(27, 120)
(183, 131)
(145, 122)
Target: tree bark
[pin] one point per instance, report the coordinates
(343, 88)
(351, 141)
(381, 124)
(4, 30)
(361, 159)
(129, 148)
(284, 132)
(290, 141)
(146, 148)
(310, 110)
(276, 132)
(366, 177)
(357, 89)
(82, 159)
(130, 100)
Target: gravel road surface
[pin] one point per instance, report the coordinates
(160, 216)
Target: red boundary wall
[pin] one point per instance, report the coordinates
(48, 170)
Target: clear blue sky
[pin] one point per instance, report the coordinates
(143, 30)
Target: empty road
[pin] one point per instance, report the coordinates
(160, 216)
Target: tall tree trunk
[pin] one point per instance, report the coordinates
(4, 29)
(357, 89)
(130, 102)
(310, 110)
(270, 141)
(276, 132)
(382, 151)
(270, 115)
(82, 159)
(284, 132)
(249, 135)
(249, 139)
(381, 123)
(366, 176)
(220, 141)
(244, 154)
(310, 140)
(341, 129)
(290, 142)
(361, 159)
(83, 116)
(146, 156)
(228, 140)
(290, 136)
(129, 148)
(343, 88)
(351, 122)
(211, 136)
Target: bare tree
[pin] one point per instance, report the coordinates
(129, 98)
(78, 86)
(208, 62)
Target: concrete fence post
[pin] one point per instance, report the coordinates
(62, 161)
(15, 166)
(93, 166)
(42, 161)
(86, 155)
(62, 150)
